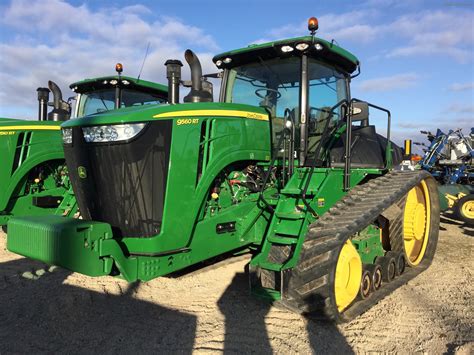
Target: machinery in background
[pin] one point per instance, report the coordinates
(449, 158)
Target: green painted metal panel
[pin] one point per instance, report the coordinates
(255, 47)
(88, 84)
(74, 244)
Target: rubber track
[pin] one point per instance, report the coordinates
(307, 288)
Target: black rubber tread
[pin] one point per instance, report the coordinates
(396, 228)
(309, 287)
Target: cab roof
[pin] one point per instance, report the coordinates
(103, 82)
(329, 52)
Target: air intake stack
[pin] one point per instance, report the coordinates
(173, 73)
(43, 98)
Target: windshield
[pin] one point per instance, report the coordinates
(271, 84)
(104, 100)
(275, 85)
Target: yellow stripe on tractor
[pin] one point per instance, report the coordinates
(31, 128)
(225, 113)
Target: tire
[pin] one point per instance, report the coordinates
(464, 209)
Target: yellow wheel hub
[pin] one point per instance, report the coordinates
(467, 209)
(416, 226)
(348, 276)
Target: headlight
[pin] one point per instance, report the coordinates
(318, 46)
(67, 135)
(302, 46)
(287, 49)
(112, 133)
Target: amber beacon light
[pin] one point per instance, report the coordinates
(313, 25)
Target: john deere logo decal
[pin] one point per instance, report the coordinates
(82, 172)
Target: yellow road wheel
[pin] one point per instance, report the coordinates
(416, 225)
(464, 209)
(348, 276)
(468, 209)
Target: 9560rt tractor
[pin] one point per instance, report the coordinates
(285, 165)
(33, 173)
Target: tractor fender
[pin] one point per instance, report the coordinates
(23, 171)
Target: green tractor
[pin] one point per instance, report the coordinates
(285, 166)
(33, 173)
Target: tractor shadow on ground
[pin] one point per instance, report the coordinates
(450, 218)
(44, 315)
(246, 325)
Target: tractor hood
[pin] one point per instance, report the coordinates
(153, 113)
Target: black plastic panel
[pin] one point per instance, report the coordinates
(368, 149)
(124, 183)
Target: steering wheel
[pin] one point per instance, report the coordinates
(258, 92)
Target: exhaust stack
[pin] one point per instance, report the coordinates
(43, 98)
(197, 93)
(173, 73)
(61, 109)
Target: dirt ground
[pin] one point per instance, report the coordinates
(50, 310)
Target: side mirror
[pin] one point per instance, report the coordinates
(360, 112)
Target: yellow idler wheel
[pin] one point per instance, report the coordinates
(464, 209)
(348, 276)
(416, 225)
(467, 209)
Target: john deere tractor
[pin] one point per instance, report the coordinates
(286, 165)
(33, 173)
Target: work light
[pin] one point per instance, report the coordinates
(111, 133)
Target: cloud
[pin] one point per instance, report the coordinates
(447, 33)
(349, 26)
(67, 43)
(388, 83)
(460, 109)
(456, 87)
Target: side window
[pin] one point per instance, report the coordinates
(327, 87)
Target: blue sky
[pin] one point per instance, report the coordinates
(417, 56)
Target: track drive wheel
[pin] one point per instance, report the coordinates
(418, 238)
(327, 281)
(464, 209)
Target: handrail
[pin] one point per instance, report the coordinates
(388, 148)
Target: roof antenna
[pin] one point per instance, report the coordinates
(143, 64)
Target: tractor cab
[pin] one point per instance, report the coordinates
(304, 85)
(112, 92)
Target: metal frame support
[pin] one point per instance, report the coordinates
(304, 85)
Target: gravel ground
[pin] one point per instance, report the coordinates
(50, 310)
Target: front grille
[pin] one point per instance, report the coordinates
(124, 183)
